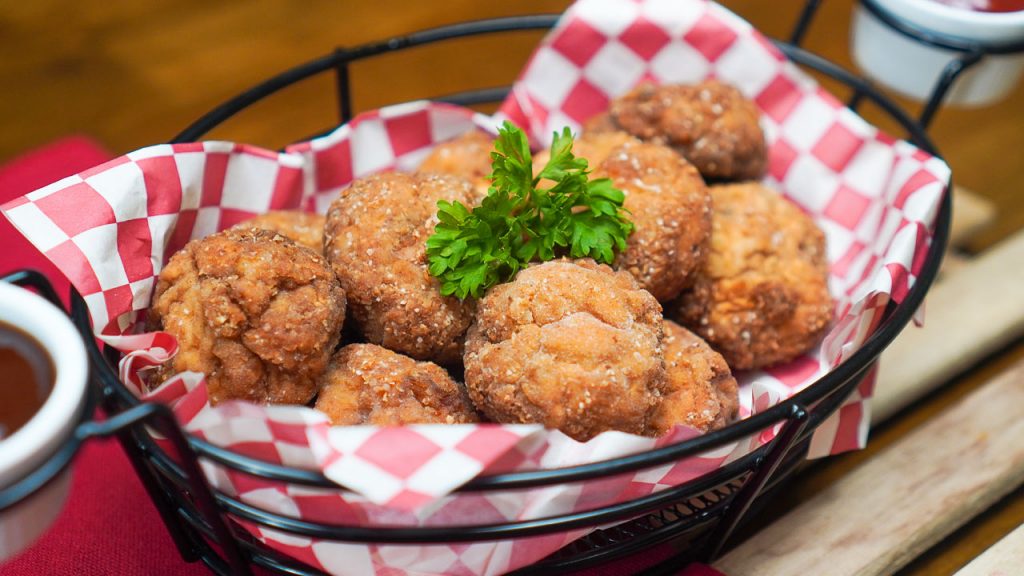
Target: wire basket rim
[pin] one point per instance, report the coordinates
(895, 317)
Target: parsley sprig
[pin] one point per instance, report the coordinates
(518, 222)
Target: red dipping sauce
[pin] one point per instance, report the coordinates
(985, 5)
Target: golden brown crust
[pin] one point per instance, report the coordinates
(375, 239)
(700, 390)
(667, 202)
(711, 124)
(304, 228)
(254, 311)
(367, 384)
(602, 122)
(468, 156)
(762, 298)
(670, 207)
(569, 344)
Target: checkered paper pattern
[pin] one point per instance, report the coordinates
(111, 228)
(875, 197)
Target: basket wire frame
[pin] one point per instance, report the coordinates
(969, 53)
(698, 516)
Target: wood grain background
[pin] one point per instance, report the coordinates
(135, 73)
(132, 73)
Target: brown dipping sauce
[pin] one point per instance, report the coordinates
(27, 375)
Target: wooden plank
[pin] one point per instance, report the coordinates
(970, 313)
(971, 214)
(1003, 559)
(136, 83)
(952, 262)
(886, 512)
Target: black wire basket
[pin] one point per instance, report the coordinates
(697, 517)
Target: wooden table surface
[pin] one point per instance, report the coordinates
(135, 73)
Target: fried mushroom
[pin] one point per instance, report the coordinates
(762, 297)
(375, 239)
(467, 156)
(258, 314)
(569, 344)
(666, 200)
(367, 384)
(711, 124)
(700, 391)
(304, 228)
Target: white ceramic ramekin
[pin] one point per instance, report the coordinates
(913, 69)
(35, 442)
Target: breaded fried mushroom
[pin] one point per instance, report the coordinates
(569, 344)
(668, 203)
(254, 311)
(375, 239)
(666, 200)
(700, 391)
(304, 228)
(367, 384)
(467, 156)
(711, 124)
(762, 297)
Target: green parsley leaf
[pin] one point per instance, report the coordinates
(518, 222)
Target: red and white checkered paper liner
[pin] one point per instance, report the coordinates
(111, 228)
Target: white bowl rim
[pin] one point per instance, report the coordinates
(47, 429)
(959, 15)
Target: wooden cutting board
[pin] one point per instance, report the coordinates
(886, 512)
(936, 477)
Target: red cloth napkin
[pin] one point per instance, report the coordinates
(29, 172)
(109, 526)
